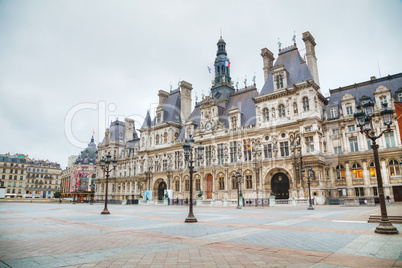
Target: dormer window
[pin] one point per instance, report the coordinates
(281, 111)
(266, 114)
(398, 94)
(383, 100)
(279, 81)
(333, 112)
(158, 118)
(234, 122)
(306, 105)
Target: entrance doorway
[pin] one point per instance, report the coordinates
(397, 193)
(161, 190)
(209, 186)
(280, 186)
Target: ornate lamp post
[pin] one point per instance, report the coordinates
(310, 174)
(105, 167)
(363, 120)
(188, 156)
(237, 178)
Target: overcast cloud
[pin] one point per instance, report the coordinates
(55, 55)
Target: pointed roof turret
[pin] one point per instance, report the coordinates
(147, 121)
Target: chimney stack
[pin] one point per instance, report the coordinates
(309, 42)
(268, 61)
(185, 95)
(163, 95)
(129, 129)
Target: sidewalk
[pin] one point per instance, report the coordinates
(67, 235)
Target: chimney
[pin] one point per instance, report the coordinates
(129, 129)
(268, 60)
(185, 91)
(310, 54)
(163, 95)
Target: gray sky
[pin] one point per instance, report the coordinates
(59, 56)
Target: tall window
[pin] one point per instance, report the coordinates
(372, 170)
(279, 81)
(389, 139)
(340, 172)
(375, 191)
(233, 152)
(354, 147)
(197, 184)
(157, 139)
(349, 110)
(281, 111)
(235, 184)
(333, 112)
(309, 144)
(187, 183)
(249, 182)
(208, 155)
(351, 128)
(177, 185)
(247, 149)
(284, 148)
(221, 158)
(165, 137)
(359, 191)
(221, 183)
(306, 106)
(369, 142)
(357, 171)
(234, 121)
(268, 150)
(266, 114)
(165, 163)
(394, 168)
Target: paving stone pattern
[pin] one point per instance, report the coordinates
(77, 235)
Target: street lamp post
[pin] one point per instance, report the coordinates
(310, 174)
(363, 120)
(188, 156)
(237, 178)
(105, 167)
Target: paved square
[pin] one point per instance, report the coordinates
(68, 235)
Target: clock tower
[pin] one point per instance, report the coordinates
(222, 86)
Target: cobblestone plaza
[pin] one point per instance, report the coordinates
(68, 235)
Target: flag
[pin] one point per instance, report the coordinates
(227, 64)
(209, 69)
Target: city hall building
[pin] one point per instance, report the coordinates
(267, 134)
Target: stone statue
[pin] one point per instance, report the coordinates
(200, 192)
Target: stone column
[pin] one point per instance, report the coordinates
(349, 183)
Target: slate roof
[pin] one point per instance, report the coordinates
(12, 159)
(393, 82)
(297, 68)
(171, 110)
(244, 101)
(89, 155)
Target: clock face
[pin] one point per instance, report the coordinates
(208, 126)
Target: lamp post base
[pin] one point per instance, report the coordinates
(105, 212)
(310, 208)
(386, 227)
(238, 207)
(190, 218)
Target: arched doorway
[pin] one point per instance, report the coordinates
(280, 186)
(161, 190)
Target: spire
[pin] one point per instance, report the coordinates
(147, 121)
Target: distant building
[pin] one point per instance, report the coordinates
(23, 177)
(78, 179)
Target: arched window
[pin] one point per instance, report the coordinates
(394, 169)
(281, 111)
(372, 170)
(157, 139)
(340, 172)
(176, 135)
(279, 81)
(165, 137)
(357, 171)
(306, 106)
(265, 114)
(249, 181)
